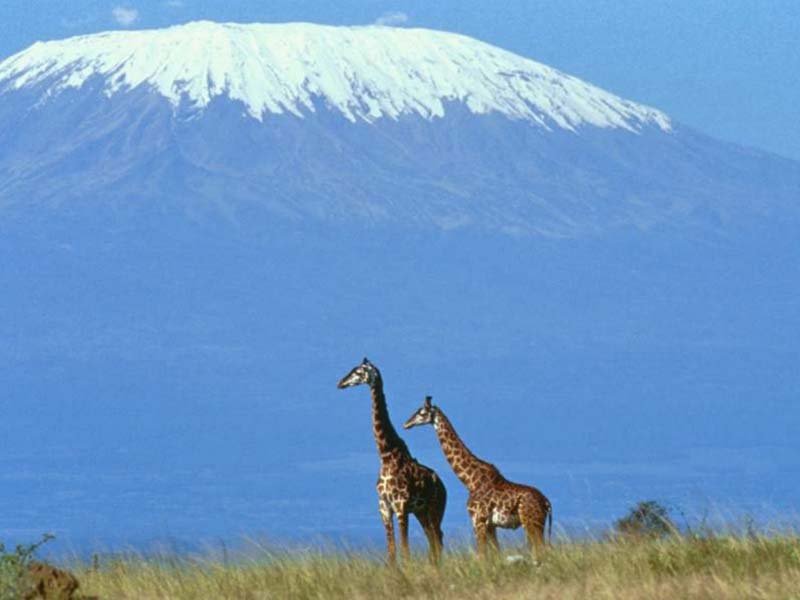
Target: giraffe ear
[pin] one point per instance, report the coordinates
(428, 401)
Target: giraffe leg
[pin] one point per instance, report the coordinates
(435, 517)
(434, 535)
(535, 542)
(434, 544)
(402, 523)
(533, 520)
(491, 536)
(479, 524)
(388, 525)
(481, 533)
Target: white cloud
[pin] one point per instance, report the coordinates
(77, 22)
(125, 16)
(392, 19)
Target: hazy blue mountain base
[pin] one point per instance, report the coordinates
(170, 381)
(607, 315)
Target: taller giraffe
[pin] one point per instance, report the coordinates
(493, 500)
(404, 485)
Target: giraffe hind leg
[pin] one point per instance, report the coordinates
(533, 519)
(438, 507)
(434, 534)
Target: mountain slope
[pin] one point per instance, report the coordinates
(261, 124)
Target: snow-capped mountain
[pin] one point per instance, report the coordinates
(370, 124)
(202, 228)
(362, 72)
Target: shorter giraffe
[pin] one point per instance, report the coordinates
(493, 500)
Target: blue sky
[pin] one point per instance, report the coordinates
(730, 68)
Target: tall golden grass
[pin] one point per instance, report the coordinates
(718, 566)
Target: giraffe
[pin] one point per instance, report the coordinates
(404, 485)
(493, 500)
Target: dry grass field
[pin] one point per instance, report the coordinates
(711, 566)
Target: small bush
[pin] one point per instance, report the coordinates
(648, 519)
(14, 583)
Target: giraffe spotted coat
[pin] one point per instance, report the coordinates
(405, 487)
(493, 500)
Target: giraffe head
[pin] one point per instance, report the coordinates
(425, 415)
(365, 373)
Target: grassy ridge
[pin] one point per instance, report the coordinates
(677, 567)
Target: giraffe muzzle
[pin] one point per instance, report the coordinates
(346, 382)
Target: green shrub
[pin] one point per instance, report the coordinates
(648, 519)
(14, 568)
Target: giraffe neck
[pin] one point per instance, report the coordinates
(467, 467)
(385, 434)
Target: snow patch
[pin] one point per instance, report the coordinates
(365, 73)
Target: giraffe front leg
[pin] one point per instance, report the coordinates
(388, 525)
(481, 535)
(491, 536)
(402, 523)
(478, 525)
